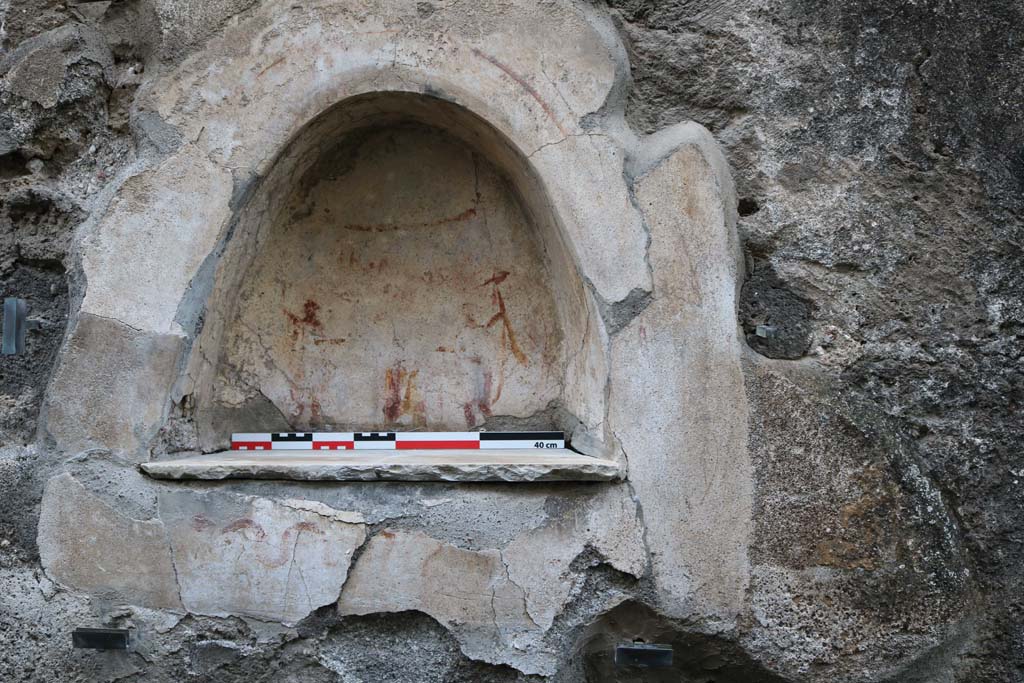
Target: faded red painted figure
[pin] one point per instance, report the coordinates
(401, 396)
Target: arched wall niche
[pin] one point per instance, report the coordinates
(399, 266)
(651, 215)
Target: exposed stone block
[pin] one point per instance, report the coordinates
(677, 399)
(111, 389)
(89, 546)
(468, 591)
(540, 560)
(239, 555)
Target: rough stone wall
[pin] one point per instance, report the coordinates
(875, 149)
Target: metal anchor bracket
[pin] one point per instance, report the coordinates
(16, 324)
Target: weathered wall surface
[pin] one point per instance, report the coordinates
(837, 502)
(875, 148)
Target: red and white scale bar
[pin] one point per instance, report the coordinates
(332, 441)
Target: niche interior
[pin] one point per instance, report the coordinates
(399, 266)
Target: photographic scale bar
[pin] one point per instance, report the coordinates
(394, 441)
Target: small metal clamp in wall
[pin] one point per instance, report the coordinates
(643, 656)
(100, 638)
(15, 324)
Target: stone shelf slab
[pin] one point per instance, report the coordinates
(413, 465)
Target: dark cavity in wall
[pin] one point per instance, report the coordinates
(405, 647)
(748, 206)
(696, 657)
(775, 319)
(34, 228)
(13, 165)
(23, 378)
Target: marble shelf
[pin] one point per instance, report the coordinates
(411, 465)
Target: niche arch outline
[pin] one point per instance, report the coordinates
(220, 118)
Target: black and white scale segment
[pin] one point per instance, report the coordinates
(391, 441)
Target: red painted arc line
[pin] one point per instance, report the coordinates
(522, 82)
(427, 445)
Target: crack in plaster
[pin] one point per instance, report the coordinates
(635, 203)
(174, 562)
(639, 512)
(566, 137)
(100, 501)
(120, 322)
(271, 363)
(579, 352)
(291, 566)
(618, 315)
(611, 113)
(524, 591)
(193, 304)
(494, 611)
(554, 86)
(321, 509)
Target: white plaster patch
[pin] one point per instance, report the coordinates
(590, 194)
(539, 560)
(251, 556)
(677, 398)
(467, 591)
(87, 545)
(158, 229)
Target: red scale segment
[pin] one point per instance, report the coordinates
(430, 445)
(333, 445)
(251, 446)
